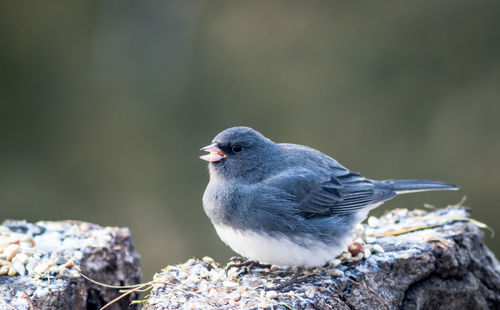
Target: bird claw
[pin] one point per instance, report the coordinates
(246, 265)
(287, 285)
(237, 259)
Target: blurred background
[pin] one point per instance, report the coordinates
(105, 104)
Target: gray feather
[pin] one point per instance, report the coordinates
(410, 186)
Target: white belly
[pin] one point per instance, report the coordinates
(278, 249)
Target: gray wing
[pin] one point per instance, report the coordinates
(338, 192)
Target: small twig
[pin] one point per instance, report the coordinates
(444, 222)
(9, 306)
(460, 203)
(404, 231)
(110, 286)
(429, 206)
(310, 273)
(125, 294)
(289, 307)
(482, 225)
(31, 306)
(139, 291)
(139, 288)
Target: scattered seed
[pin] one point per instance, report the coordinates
(212, 293)
(367, 253)
(334, 272)
(41, 267)
(334, 263)
(357, 258)
(377, 248)
(230, 284)
(78, 255)
(216, 277)
(12, 272)
(311, 292)
(360, 241)
(31, 264)
(370, 239)
(84, 227)
(204, 272)
(345, 256)
(208, 260)
(369, 231)
(271, 294)
(355, 248)
(11, 251)
(19, 267)
(373, 221)
(263, 305)
(21, 257)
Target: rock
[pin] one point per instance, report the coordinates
(47, 260)
(422, 260)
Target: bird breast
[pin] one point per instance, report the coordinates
(278, 249)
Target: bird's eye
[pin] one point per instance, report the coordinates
(236, 148)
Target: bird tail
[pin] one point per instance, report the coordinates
(411, 186)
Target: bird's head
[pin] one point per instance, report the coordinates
(240, 152)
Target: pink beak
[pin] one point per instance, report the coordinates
(216, 153)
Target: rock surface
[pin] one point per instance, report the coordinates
(443, 264)
(44, 260)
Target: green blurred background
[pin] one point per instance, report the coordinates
(104, 105)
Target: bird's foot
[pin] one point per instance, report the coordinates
(238, 259)
(245, 265)
(287, 285)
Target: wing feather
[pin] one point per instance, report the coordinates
(317, 195)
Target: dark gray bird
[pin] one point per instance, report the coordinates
(289, 204)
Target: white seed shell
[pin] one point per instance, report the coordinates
(377, 248)
(12, 272)
(373, 221)
(367, 253)
(19, 267)
(335, 272)
(272, 294)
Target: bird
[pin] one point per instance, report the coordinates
(288, 204)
